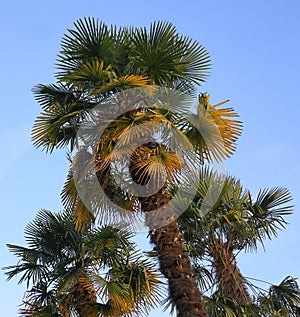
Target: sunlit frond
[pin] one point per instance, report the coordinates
(145, 287)
(230, 128)
(154, 164)
(83, 217)
(92, 72)
(124, 82)
(129, 288)
(212, 131)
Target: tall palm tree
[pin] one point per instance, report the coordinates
(95, 272)
(235, 222)
(97, 62)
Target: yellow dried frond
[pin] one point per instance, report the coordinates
(154, 164)
(213, 131)
(124, 82)
(92, 71)
(229, 127)
(83, 216)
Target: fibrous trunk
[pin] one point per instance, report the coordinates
(84, 301)
(173, 259)
(231, 282)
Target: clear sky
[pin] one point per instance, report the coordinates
(255, 50)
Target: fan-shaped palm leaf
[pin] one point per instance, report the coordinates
(169, 59)
(88, 40)
(212, 131)
(62, 262)
(282, 299)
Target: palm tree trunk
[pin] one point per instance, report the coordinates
(84, 301)
(173, 260)
(230, 280)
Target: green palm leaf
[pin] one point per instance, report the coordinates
(169, 59)
(89, 39)
(68, 268)
(282, 299)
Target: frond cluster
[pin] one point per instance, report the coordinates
(95, 272)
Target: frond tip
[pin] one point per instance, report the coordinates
(213, 131)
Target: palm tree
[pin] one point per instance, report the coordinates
(235, 222)
(281, 300)
(97, 62)
(95, 272)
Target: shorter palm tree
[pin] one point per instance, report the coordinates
(235, 222)
(95, 272)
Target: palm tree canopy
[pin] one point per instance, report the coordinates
(63, 266)
(96, 63)
(96, 60)
(223, 209)
(160, 53)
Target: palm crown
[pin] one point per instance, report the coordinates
(96, 60)
(95, 63)
(95, 272)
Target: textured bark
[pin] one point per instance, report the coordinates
(230, 280)
(84, 301)
(173, 259)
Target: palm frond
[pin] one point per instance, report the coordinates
(282, 299)
(71, 271)
(63, 111)
(155, 165)
(46, 95)
(88, 40)
(123, 82)
(144, 284)
(92, 72)
(169, 59)
(203, 276)
(212, 131)
(273, 198)
(268, 212)
(30, 272)
(219, 305)
(83, 216)
(57, 126)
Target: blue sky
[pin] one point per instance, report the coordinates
(255, 49)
